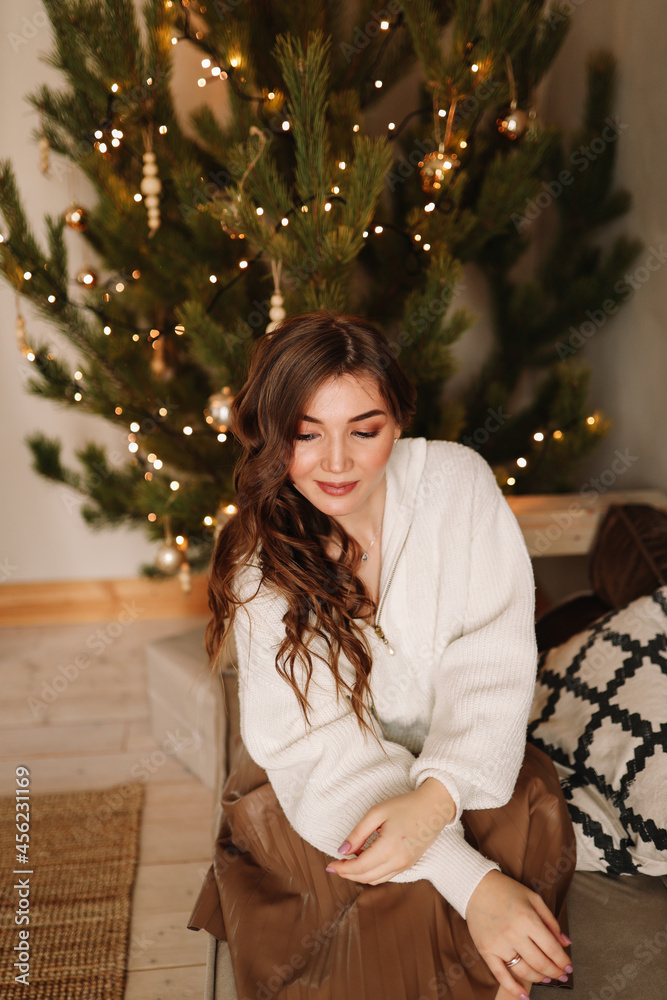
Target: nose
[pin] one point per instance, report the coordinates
(337, 458)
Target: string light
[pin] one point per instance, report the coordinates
(187, 430)
(260, 210)
(417, 237)
(179, 539)
(135, 336)
(27, 275)
(179, 330)
(162, 129)
(522, 463)
(285, 126)
(590, 420)
(174, 485)
(355, 128)
(77, 395)
(99, 134)
(205, 63)
(212, 278)
(442, 113)
(558, 435)
(511, 481)
(342, 165)
(474, 67)
(133, 446)
(157, 464)
(427, 246)
(429, 207)
(335, 189)
(538, 436)
(463, 144)
(114, 88)
(152, 517)
(119, 287)
(230, 509)
(118, 410)
(284, 221)
(52, 298)
(378, 84)
(271, 95)
(365, 233)
(151, 458)
(327, 206)
(138, 196)
(304, 208)
(78, 376)
(201, 82)
(222, 437)
(243, 264)
(391, 125)
(102, 147)
(163, 411)
(134, 426)
(378, 229)
(384, 25)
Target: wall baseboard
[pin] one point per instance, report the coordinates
(67, 601)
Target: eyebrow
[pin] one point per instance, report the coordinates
(352, 420)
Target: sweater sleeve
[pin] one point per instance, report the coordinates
(485, 677)
(327, 776)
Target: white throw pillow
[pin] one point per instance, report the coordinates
(600, 713)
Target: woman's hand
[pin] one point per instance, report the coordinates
(506, 918)
(407, 825)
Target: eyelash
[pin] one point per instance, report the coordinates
(361, 434)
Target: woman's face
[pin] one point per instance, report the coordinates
(344, 439)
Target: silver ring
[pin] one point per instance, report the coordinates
(517, 958)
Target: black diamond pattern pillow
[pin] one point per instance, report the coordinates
(600, 713)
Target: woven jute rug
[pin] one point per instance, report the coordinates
(65, 911)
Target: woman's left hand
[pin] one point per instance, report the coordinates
(407, 825)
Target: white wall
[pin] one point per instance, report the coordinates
(41, 539)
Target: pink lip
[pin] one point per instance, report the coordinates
(336, 489)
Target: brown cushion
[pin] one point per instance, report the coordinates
(565, 619)
(629, 554)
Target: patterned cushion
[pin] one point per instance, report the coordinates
(600, 712)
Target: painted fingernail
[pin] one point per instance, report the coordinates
(565, 938)
(568, 968)
(344, 848)
(523, 996)
(330, 869)
(562, 979)
(546, 979)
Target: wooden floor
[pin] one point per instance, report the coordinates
(95, 733)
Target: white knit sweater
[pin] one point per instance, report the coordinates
(457, 598)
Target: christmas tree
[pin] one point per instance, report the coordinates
(284, 202)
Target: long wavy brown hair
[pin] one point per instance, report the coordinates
(275, 522)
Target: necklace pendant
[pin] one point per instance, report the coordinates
(364, 557)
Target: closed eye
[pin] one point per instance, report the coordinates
(361, 434)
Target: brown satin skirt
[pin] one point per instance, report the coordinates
(297, 932)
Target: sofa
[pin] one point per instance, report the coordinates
(617, 922)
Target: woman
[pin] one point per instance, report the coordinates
(384, 819)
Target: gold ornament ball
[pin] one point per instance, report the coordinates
(168, 557)
(219, 409)
(436, 169)
(77, 218)
(513, 124)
